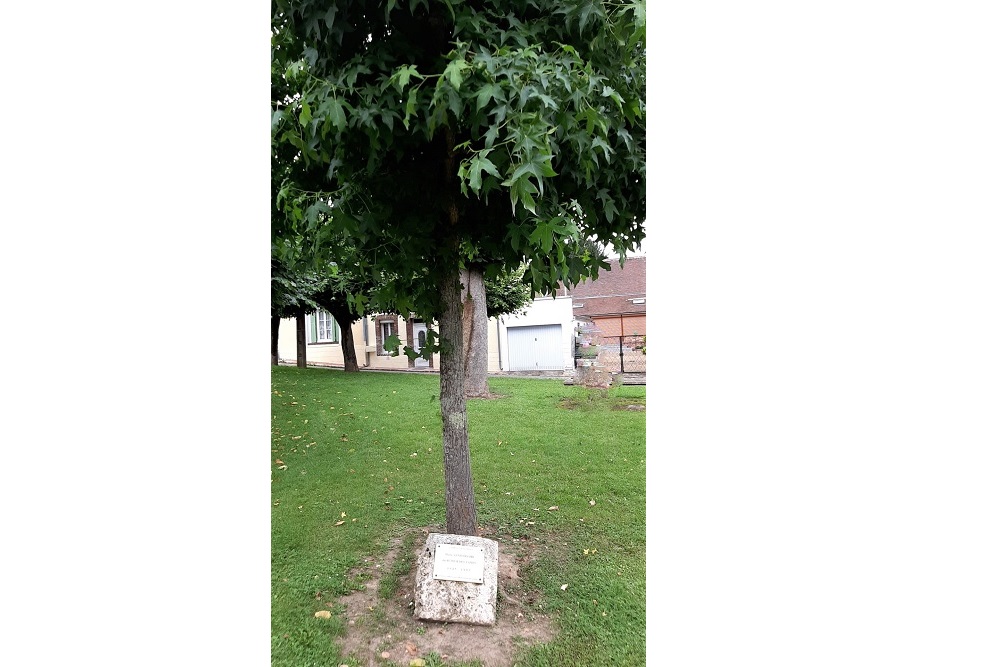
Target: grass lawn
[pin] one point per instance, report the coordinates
(356, 461)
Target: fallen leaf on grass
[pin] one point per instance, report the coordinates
(564, 586)
(343, 515)
(411, 648)
(278, 461)
(417, 662)
(339, 523)
(592, 503)
(323, 613)
(553, 508)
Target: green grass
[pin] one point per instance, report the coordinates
(365, 449)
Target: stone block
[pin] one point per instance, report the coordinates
(442, 598)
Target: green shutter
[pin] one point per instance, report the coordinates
(313, 335)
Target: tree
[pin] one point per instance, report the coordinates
(339, 294)
(451, 131)
(483, 299)
(292, 292)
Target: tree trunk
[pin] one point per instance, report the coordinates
(459, 497)
(475, 334)
(344, 321)
(275, 325)
(300, 340)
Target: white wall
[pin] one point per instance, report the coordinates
(544, 310)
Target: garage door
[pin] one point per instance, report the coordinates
(537, 348)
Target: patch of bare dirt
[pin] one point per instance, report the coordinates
(384, 632)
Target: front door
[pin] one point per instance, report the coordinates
(419, 340)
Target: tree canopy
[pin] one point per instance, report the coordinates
(505, 129)
(443, 136)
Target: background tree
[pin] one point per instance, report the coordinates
(507, 130)
(292, 296)
(505, 294)
(342, 295)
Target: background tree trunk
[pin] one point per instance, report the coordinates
(300, 340)
(475, 332)
(275, 325)
(459, 497)
(347, 341)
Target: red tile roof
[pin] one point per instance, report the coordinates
(613, 291)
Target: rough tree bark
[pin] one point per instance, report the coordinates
(347, 341)
(300, 340)
(475, 331)
(338, 307)
(459, 496)
(275, 325)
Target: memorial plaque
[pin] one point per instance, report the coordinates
(454, 562)
(457, 578)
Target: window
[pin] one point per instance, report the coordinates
(386, 328)
(323, 328)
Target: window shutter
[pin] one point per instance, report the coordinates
(336, 329)
(313, 336)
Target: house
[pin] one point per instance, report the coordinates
(616, 300)
(542, 340)
(324, 341)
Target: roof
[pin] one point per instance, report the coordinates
(614, 291)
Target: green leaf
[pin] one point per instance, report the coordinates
(491, 136)
(305, 115)
(453, 72)
(479, 164)
(391, 345)
(402, 76)
(488, 91)
(339, 117)
(598, 142)
(610, 210)
(331, 15)
(411, 107)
